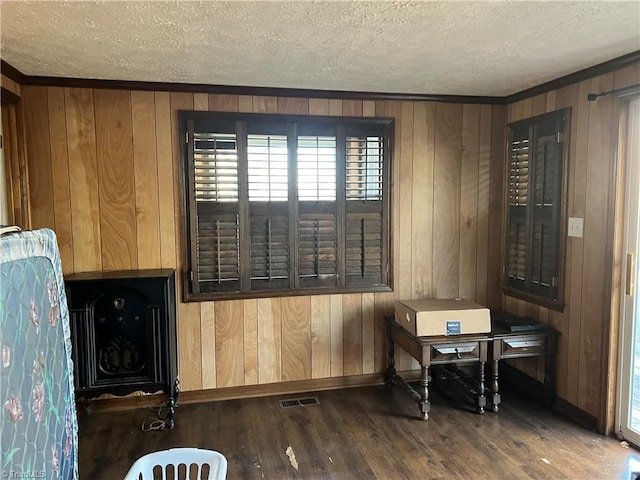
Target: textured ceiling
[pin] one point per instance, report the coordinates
(423, 47)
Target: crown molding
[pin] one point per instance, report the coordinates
(584, 74)
(259, 91)
(590, 72)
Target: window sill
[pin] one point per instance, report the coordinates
(557, 305)
(208, 297)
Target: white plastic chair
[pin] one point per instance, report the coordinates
(179, 463)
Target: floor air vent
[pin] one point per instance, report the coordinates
(299, 402)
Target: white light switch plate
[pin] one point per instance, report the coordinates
(575, 227)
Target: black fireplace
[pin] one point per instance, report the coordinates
(123, 330)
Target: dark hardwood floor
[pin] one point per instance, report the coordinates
(371, 432)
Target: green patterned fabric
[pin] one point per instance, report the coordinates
(39, 424)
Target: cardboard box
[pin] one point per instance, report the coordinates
(442, 317)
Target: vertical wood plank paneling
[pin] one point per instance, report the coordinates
(208, 342)
(335, 107)
(229, 343)
(245, 103)
(352, 108)
(446, 200)
(164, 159)
(469, 201)
(368, 333)
(527, 107)
(577, 204)
(116, 179)
(296, 338)
(539, 104)
(496, 199)
(337, 336)
(223, 103)
(83, 179)
(438, 178)
(484, 195)
(394, 110)
(368, 108)
(201, 102)
(14, 181)
(403, 261)
(10, 85)
(291, 105)
(516, 111)
(422, 199)
(265, 104)
(595, 234)
(384, 306)
(60, 176)
(189, 346)
(189, 340)
(34, 100)
(551, 101)
(250, 342)
(352, 314)
(320, 336)
(565, 97)
(269, 340)
(145, 168)
(318, 106)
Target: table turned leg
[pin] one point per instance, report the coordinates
(391, 363)
(424, 404)
(481, 400)
(495, 401)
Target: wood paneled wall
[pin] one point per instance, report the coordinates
(105, 175)
(587, 315)
(10, 85)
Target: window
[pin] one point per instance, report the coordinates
(535, 245)
(281, 204)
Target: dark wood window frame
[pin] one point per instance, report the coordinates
(252, 231)
(536, 205)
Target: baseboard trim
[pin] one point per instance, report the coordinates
(113, 404)
(574, 413)
(535, 389)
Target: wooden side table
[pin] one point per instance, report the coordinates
(433, 351)
(497, 345)
(535, 343)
